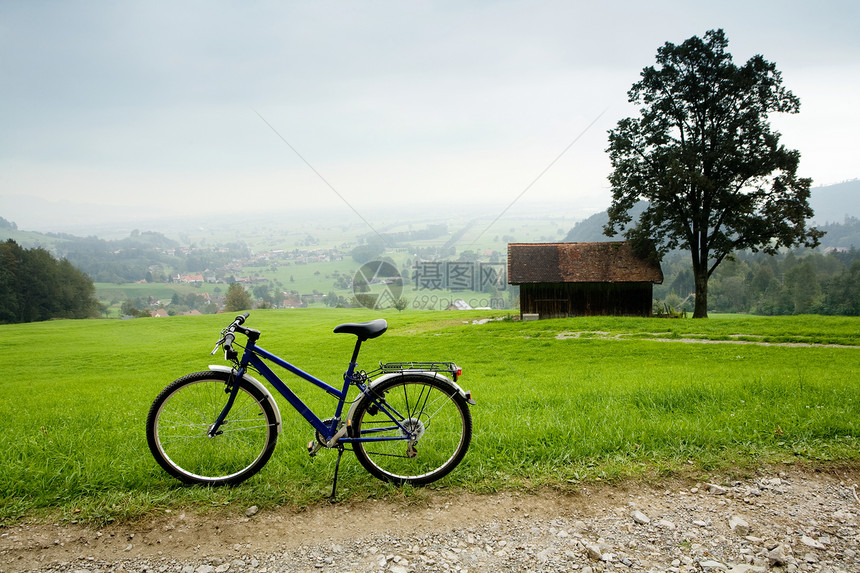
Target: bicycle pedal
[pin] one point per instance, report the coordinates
(313, 448)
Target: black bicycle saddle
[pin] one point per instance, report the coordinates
(363, 330)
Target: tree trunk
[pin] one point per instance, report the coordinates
(701, 278)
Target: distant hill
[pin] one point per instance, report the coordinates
(74, 216)
(836, 207)
(833, 203)
(589, 230)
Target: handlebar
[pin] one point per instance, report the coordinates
(228, 336)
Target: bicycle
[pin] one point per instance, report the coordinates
(408, 423)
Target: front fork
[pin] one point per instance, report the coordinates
(232, 389)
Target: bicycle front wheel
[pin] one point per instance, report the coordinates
(177, 429)
(416, 429)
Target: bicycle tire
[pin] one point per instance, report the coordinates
(429, 405)
(179, 420)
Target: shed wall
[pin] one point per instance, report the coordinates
(560, 300)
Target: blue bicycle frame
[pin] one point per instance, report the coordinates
(253, 356)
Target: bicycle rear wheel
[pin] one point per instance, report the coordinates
(180, 418)
(431, 436)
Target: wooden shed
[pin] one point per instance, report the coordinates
(582, 279)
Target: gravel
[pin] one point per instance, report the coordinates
(792, 521)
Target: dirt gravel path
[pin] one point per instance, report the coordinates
(787, 519)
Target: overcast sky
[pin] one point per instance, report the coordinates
(169, 105)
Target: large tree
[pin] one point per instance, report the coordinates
(702, 156)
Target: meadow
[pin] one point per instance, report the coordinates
(560, 403)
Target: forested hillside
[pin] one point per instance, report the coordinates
(825, 280)
(35, 286)
(797, 282)
(142, 256)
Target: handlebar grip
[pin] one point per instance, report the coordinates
(229, 352)
(241, 318)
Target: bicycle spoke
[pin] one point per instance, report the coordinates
(179, 435)
(409, 449)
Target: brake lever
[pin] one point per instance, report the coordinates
(217, 344)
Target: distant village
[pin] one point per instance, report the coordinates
(234, 272)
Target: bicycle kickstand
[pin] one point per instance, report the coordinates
(333, 498)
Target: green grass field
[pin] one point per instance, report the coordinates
(559, 403)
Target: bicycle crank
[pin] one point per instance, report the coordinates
(322, 442)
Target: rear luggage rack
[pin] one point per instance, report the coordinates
(441, 367)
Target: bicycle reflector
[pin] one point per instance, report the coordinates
(455, 371)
